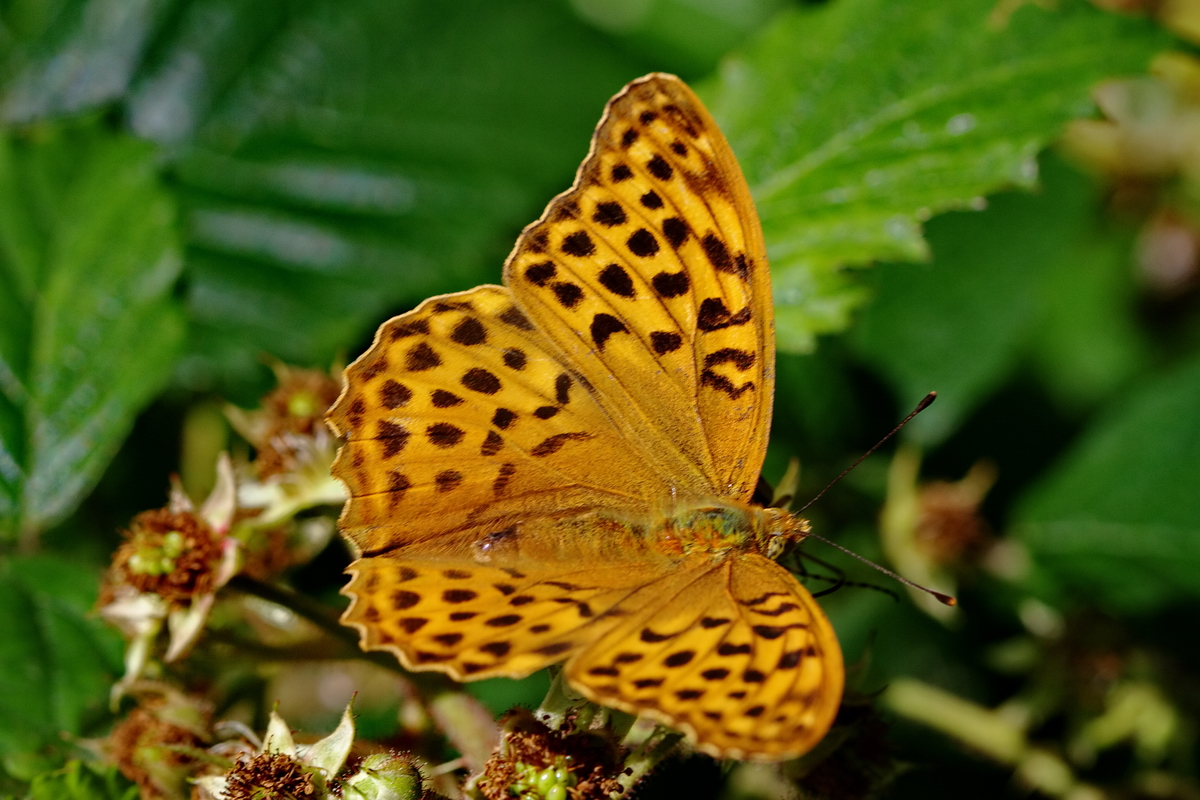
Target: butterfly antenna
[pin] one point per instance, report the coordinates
(945, 599)
(921, 406)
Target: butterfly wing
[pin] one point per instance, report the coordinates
(474, 620)
(651, 275)
(737, 655)
(462, 422)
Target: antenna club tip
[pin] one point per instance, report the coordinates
(945, 599)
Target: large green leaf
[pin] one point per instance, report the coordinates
(959, 324)
(1118, 522)
(361, 157)
(88, 263)
(58, 660)
(80, 781)
(857, 120)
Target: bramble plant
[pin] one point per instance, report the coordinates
(207, 208)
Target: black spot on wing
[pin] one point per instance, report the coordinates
(604, 326)
(448, 480)
(567, 293)
(562, 389)
(741, 359)
(415, 327)
(578, 244)
(617, 280)
(512, 316)
(395, 395)
(502, 478)
(670, 284)
(659, 168)
(480, 380)
(421, 357)
(642, 243)
(609, 214)
(665, 342)
(723, 384)
(552, 444)
(717, 254)
(515, 359)
(676, 231)
(393, 436)
(538, 274)
(491, 445)
(440, 398)
(443, 434)
(469, 331)
(537, 241)
(714, 316)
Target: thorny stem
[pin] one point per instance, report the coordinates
(312, 611)
(648, 755)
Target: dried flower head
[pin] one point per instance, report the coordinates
(282, 769)
(537, 763)
(169, 570)
(157, 746)
(950, 528)
(268, 775)
(174, 554)
(294, 451)
(291, 414)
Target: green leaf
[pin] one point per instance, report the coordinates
(1118, 521)
(687, 37)
(856, 120)
(959, 324)
(340, 162)
(58, 661)
(65, 57)
(1089, 342)
(79, 781)
(88, 263)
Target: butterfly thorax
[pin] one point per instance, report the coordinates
(722, 528)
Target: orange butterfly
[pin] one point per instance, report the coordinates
(561, 468)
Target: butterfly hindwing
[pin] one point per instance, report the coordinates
(478, 621)
(740, 656)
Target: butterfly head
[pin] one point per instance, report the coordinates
(780, 530)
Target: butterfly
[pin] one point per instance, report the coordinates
(562, 468)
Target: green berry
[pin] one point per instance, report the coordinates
(545, 780)
(302, 404)
(172, 546)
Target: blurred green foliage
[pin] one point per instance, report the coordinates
(189, 185)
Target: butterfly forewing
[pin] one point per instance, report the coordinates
(461, 422)
(650, 273)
